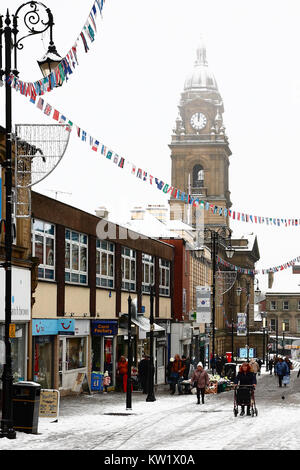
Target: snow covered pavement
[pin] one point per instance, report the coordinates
(101, 422)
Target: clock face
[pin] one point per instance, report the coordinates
(198, 121)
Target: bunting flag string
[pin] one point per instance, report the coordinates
(146, 176)
(67, 65)
(275, 269)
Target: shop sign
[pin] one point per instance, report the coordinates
(82, 327)
(203, 307)
(104, 327)
(42, 327)
(21, 294)
(65, 327)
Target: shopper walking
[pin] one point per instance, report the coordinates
(122, 372)
(282, 369)
(201, 380)
(177, 369)
(271, 364)
(143, 372)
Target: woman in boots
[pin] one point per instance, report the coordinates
(201, 379)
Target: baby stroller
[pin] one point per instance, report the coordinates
(244, 396)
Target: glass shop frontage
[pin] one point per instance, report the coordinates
(20, 319)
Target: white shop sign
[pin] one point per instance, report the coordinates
(82, 327)
(20, 294)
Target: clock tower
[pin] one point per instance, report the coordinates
(199, 150)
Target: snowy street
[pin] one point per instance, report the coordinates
(101, 422)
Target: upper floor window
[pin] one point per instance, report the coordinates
(128, 265)
(273, 324)
(76, 252)
(105, 256)
(285, 305)
(164, 277)
(43, 247)
(298, 304)
(148, 272)
(272, 304)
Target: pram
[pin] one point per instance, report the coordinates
(244, 396)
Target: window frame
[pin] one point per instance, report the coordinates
(128, 284)
(106, 278)
(148, 262)
(164, 272)
(44, 235)
(69, 272)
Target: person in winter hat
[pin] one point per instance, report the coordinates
(201, 379)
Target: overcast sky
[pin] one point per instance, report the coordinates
(126, 91)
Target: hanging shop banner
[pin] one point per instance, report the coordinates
(82, 327)
(104, 327)
(21, 294)
(241, 324)
(203, 307)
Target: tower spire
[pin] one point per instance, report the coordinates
(201, 53)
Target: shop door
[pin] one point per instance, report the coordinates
(62, 364)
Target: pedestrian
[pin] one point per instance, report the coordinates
(289, 363)
(282, 369)
(106, 381)
(201, 380)
(143, 373)
(177, 369)
(186, 375)
(246, 377)
(298, 375)
(276, 359)
(122, 372)
(271, 364)
(219, 365)
(259, 362)
(254, 366)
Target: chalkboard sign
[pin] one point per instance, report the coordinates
(49, 404)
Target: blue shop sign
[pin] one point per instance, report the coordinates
(104, 328)
(63, 326)
(44, 327)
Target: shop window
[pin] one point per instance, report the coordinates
(43, 247)
(76, 353)
(105, 261)
(128, 269)
(43, 356)
(148, 272)
(76, 252)
(164, 277)
(18, 354)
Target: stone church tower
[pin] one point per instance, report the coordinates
(199, 148)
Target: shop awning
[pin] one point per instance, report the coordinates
(144, 323)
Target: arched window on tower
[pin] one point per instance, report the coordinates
(198, 176)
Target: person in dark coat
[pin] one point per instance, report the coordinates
(143, 373)
(259, 362)
(187, 364)
(282, 369)
(219, 365)
(271, 364)
(245, 377)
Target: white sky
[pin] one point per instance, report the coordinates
(126, 90)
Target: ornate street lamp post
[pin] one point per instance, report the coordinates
(32, 20)
(151, 396)
(220, 236)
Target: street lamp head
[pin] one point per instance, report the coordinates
(229, 252)
(49, 61)
(238, 291)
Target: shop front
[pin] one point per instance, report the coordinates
(20, 318)
(104, 343)
(44, 334)
(73, 353)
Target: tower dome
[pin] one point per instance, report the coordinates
(201, 78)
